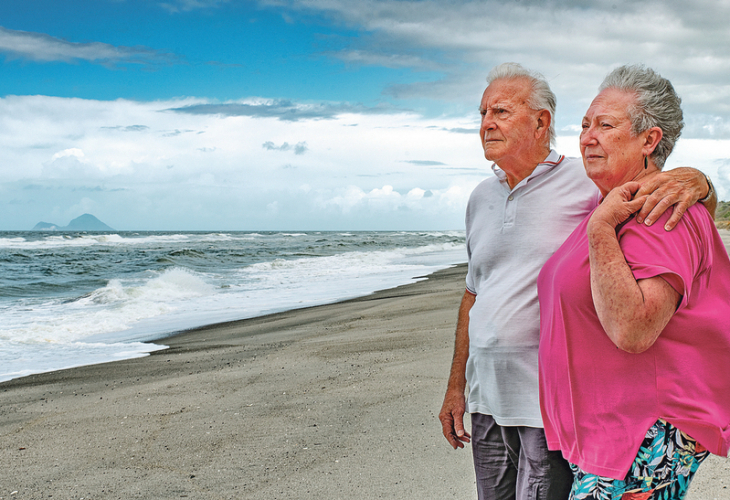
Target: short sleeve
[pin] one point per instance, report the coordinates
(678, 256)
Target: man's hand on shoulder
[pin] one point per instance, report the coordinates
(675, 190)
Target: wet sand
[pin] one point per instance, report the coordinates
(329, 402)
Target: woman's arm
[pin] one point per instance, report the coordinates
(633, 313)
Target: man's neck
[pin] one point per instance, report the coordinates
(518, 169)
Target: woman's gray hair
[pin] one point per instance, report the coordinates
(657, 105)
(541, 96)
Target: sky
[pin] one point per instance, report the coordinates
(312, 114)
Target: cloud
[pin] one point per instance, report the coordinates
(722, 179)
(464, 130)
(574, 43)
(424, 163)
(72, 152)
(386, 60)
(41, 47)
(282, 109)
(299, 148)
(128, 128)
(57, 153)
(151, 177)
(189, 5)
(421, 203)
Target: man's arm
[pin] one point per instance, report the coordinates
(452, 411)
(679, 189)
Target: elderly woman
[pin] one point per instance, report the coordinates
(635, 329)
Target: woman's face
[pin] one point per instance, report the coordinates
(611, 154)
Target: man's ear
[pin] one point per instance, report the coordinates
(543, 123)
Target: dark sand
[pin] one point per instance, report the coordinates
(331, 402)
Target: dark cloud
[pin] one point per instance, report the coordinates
(176, 132)
(285, 110)
(176, 6)
(45, 48)
(299, 148)
(129, 128)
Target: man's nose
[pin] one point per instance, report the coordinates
(488, 122)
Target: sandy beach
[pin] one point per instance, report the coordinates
(331, 402)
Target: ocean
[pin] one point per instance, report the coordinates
(71, 299)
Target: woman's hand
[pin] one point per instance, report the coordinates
(618, 205)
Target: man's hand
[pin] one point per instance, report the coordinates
(676, 189)
(452, 419)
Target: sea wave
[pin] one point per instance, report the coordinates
(133, 287)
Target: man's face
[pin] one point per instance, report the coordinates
(508, 124)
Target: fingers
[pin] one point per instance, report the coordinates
(655, 206)
(649, 186)
(633, 187)
(452, 426)
(677, 213)
(461, 433)
(679, 188)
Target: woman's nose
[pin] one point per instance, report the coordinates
(587, 136)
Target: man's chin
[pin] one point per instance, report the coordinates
(491, 155)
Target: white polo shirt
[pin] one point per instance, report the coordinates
(510, 233)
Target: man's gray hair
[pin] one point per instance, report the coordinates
(657, 105)
(541, 96)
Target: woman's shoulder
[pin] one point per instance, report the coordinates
(695, 219)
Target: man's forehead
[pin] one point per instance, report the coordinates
(514, 91)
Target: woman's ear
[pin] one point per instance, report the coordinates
(653, 136)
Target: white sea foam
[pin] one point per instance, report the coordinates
(18, 361)
(41, 334)
(87, 240)
(136, 239)
(113, 308)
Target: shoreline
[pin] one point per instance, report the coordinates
(322, 402)
(327, 402)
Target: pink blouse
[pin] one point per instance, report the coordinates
(598, 401)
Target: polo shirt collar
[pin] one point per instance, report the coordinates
(553, 160)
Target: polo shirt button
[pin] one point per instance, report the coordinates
(511, 198)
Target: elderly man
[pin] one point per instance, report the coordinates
(514, 222)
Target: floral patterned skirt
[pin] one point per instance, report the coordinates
(662, 470)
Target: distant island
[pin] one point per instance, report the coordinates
(86, 222)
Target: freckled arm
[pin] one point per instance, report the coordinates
(633, 313)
